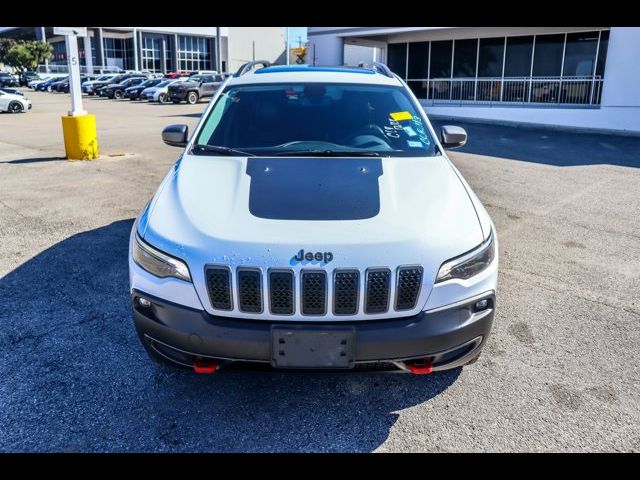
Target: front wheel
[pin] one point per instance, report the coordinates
(15, 107)
(118, 94)
(192, 98)
(163, 98)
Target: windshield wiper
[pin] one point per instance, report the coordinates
(201, 147)
(324, 153)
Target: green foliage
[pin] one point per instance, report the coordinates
(5, 46)
(28, 55)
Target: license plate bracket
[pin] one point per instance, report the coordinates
(312, 347)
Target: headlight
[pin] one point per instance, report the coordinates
(469, 264)
(158, 263)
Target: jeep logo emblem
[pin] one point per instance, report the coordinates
(301, 256)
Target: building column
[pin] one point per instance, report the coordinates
(218, 64)
(88, 60)
(139, 50)
(136, 62)
(99, 47)
(174, 52)
(213, 57)
(163, 54)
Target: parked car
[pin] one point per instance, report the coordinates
(54, 87)
(46, 85)
(65, 88)
(12, 91)
(314, 221)
(25, 77)
(116, 90)
(8, 80)
(89, 86)
(158, 93)
(133, 93)
(43, 78)
(197, 87)
(114, 81)
(14, 103)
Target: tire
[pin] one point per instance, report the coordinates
(15, 107)
(118, 94)
(192, 98)
(163, 98)
(49, 89)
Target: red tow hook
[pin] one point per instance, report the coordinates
(420, 367)
(204, 366)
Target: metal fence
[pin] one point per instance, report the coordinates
(584, 90)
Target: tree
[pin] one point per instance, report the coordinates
(28, 55)
(5, 46)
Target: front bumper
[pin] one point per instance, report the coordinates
(448, 337)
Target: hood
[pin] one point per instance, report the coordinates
(11, 96)
(260, 212)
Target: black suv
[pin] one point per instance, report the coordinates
(197, 87)
(25, 77)
(8, 80)
(112, 81)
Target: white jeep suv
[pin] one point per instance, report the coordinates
(314, 221)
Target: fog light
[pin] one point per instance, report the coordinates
(482, 304)
(144, 302)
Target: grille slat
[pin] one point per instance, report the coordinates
(345, 292)
(409, 283)
(250, 291)
(281, 293)
(219, 287)
(377, 290)
(314, 293)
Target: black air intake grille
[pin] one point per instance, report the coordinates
(409, 282)
(219, 287)
(281, 292)
(345, 292)
(378, 283)
(250, 291)
(314, 293)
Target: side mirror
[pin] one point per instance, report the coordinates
(175, 135)
(452, 136)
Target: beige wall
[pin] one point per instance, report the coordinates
(269, 45)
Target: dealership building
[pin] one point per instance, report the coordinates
(579, 77)
(162, 49)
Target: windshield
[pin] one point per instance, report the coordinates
(323, 118)
(104, 77)
(149, 83)
(164, 84)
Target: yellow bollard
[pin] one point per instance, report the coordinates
(80, 138)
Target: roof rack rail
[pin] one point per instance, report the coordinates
(247, 66)
(381, 67)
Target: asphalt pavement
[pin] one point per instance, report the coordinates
(561, 371)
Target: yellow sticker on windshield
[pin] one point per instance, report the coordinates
(399, 116)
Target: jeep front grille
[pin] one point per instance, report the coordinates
(281, 292)
(250, 290)
(219, 287)
(314, 291)
(346, 285)
(409, 283)
(377, 290)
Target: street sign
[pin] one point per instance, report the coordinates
(77, 31)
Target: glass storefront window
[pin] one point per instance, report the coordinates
(397, 58)
(464, 58)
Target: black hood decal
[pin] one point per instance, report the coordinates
(314, 188)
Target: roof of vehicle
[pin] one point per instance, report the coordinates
(304, 73)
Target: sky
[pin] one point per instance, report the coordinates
(294, 32)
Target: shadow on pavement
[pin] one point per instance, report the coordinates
(75, 378)
(190, 115)
(35, 160)
(547, 145)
